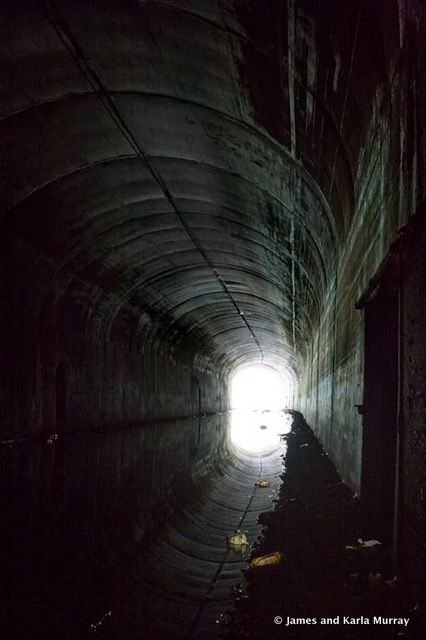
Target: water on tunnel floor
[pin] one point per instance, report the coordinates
(183, 587)
(257, 431)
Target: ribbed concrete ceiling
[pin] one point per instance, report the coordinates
(176, 156)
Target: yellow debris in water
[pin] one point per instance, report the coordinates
(237, 543)
(237, 539)
(271, 559)
(264, 484)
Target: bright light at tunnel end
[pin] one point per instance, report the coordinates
(259, 397)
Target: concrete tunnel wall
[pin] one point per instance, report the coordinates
(381, 127)
(99, 428)
(228, 204)
(107, 440)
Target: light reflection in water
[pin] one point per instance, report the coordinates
(247, 434)
(259, 395)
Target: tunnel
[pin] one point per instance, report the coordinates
(189, 189)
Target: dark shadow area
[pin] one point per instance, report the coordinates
(159, 568)
(380, 407)
(328, 568)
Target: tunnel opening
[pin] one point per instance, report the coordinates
(259, 396)
(189, 189)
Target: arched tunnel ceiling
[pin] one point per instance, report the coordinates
(174, 156)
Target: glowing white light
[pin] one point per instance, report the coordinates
(258, 397)
(259, 388)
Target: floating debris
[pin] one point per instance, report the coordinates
(237, 542)
(363, 544)
(263, 484)
(366, 544)
(269, 560)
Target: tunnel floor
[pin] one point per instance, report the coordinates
(187, 583)
(332, 583)
(183, 587)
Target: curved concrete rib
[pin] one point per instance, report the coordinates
(184, 585)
